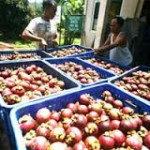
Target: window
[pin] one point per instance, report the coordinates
(115, 7)
(95, 18)
(113, 11)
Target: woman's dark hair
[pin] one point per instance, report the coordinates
(120, 20)
(49, 3)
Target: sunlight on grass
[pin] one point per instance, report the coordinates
(77, 41)
(24, 45)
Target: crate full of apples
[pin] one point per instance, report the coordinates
(68, 51)
(101, 117)
(84, 73)
(23, 81)
(22, 54)
(136, 81)
(106, 64)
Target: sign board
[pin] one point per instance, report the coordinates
(74, 23)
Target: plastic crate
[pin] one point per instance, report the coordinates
(49, 51)
(124, 68)
(5, 108)
(129, 73)
(87, 54)
(104, 74)
(39, 53)
(69, 83)
(56, 103)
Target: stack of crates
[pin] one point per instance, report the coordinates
(73, 88)
(58, 103)
(69, 84)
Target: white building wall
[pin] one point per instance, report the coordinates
(139, 8)
(129, 9)
(102, 20)
(88, 35)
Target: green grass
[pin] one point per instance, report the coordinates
(76, 39)
(24, 44)
(19, 44)
(32, 45)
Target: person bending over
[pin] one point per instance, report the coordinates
(116, 44)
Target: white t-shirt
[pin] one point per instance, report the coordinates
(47, 30)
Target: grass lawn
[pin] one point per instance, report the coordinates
(21, 44)
(32, 45)
(24, 45)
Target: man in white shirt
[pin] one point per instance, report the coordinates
(43, 29)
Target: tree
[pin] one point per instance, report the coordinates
(14, 16)
(70, 7)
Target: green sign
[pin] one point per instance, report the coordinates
(74, 23)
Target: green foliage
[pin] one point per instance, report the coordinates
(14, 16)
(70, 7)
(37, 7)
(25, 45)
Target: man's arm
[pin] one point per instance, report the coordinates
(107, 42)
(6, 45)
(120, 41)
(29, 36)
(28, 33)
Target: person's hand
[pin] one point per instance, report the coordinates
(98, 52)
(54, 43)
(43, 42)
